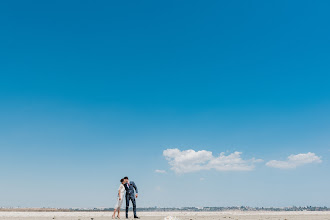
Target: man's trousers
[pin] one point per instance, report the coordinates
(132, 198)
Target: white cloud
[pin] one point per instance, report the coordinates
(232, 162)
(294, 161)
(160, 171)
(192, 161)
(187, 161)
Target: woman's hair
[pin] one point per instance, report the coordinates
(122, 180)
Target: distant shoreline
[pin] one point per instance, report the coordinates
(176, 210)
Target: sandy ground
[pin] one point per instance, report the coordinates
(236, 215)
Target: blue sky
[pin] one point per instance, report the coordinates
(93, 91)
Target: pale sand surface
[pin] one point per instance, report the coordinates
(234, 215)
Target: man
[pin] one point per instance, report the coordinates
(130, 195)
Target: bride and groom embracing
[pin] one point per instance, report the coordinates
(127, 188)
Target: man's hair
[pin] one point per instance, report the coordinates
(125, 178)
(122, 180)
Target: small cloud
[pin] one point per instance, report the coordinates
(192, 161)
(160, 171)
(201, 179)
(233, 162)
(294, 161)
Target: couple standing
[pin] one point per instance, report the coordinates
(128, 187)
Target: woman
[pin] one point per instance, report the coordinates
(121, 193)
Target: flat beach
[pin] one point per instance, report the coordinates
(235, 215)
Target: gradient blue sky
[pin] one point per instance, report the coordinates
(93, 91)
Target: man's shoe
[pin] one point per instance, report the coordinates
(136, 217)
